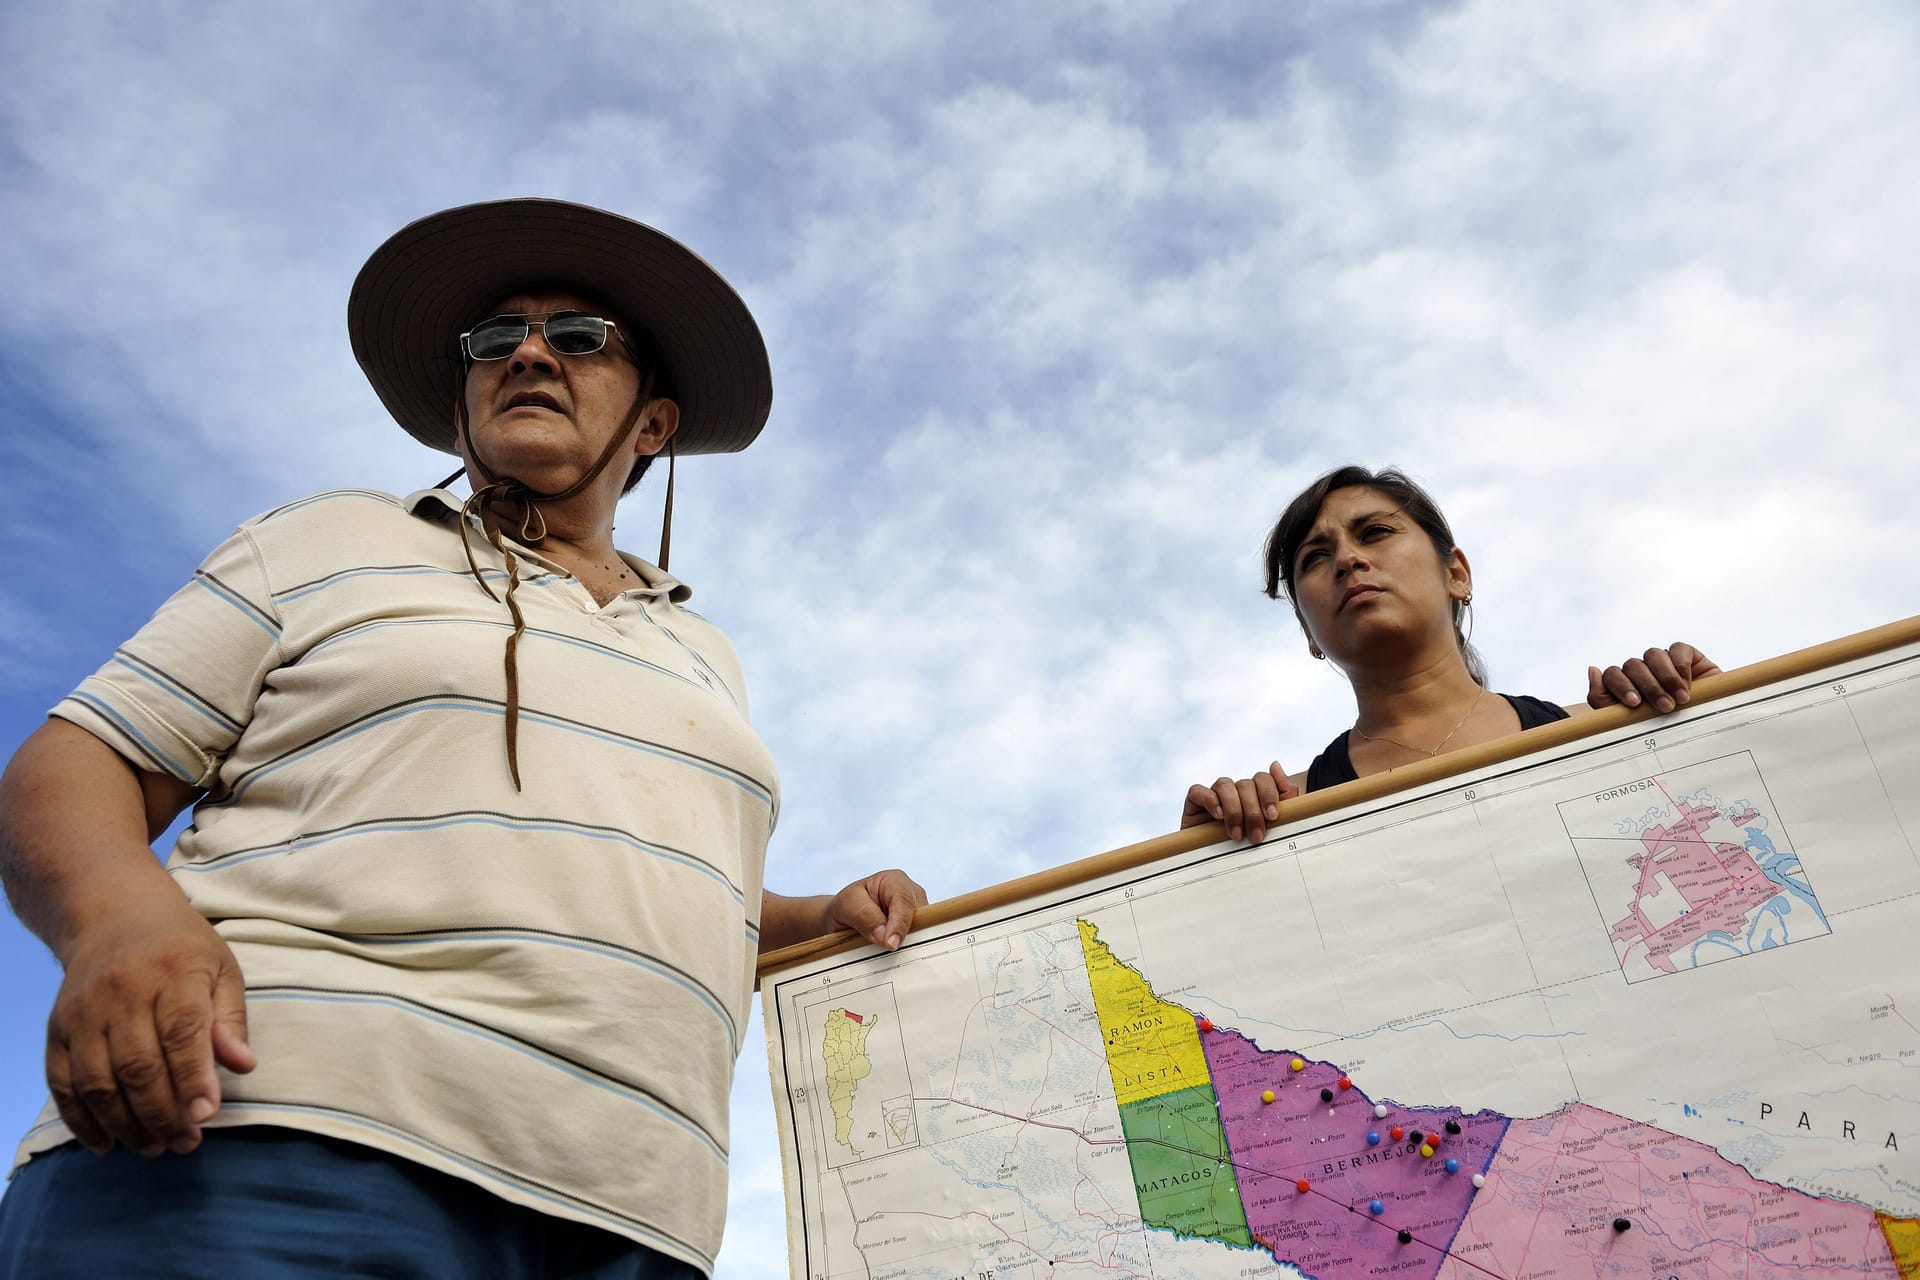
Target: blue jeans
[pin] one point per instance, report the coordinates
(260, 1203)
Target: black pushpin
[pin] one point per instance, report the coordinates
(1621, 1224)
(1406, 1237)
(1326, 1095)
(1453, 1126)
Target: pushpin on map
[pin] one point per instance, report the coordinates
(1298, 1064)
(1425, 1150)
(1206, 1024)
(1345, 1083)
(1377, 1207)
(1453, 1166)
(1303, 1185)
(1266, 1095)
(1396, 1133)
(1379, 1111)
(1479, 1180)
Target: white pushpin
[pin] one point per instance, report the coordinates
(1479, 1180)
(1379, 1111)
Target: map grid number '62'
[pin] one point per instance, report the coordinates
(1417, 1037)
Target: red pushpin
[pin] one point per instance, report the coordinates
(1345, 1083)
(1206, 1024)
(1396, 1133)
(1303, 1185)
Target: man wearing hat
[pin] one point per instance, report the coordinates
(449, 973)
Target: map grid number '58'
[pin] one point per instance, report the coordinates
(1418, 1037)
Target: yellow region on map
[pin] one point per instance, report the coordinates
(1903, 1237)
(845, 1051)
(1153, 1047)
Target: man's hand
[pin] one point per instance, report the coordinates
(1663, 677)
(1245, 807)
(879, 908)
(152, 999)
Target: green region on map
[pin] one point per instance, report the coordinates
(1182, 1169)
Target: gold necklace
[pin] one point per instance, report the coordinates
(1422, 751)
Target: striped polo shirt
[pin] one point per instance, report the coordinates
(541, 991)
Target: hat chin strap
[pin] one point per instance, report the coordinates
(533, 532)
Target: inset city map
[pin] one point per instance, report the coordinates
(901, 1129)
(861, 1086)
(1692, 866)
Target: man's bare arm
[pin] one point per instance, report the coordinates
(880, 908)
(152, 997)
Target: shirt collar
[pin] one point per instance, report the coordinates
(443, 505)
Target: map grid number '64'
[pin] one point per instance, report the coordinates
(1418, 1037)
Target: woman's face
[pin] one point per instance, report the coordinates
(1368, 581)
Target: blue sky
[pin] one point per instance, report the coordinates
(1063, 305)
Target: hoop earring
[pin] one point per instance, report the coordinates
(1466, 611)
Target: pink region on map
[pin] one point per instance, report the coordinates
(1689, 888)
(1330, 1229)
(1558, 1183)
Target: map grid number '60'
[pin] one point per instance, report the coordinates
(1417, 1037)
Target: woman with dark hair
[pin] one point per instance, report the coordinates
(1369, 565)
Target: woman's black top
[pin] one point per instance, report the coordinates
(1335, 765)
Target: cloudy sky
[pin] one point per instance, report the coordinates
(1064, 303)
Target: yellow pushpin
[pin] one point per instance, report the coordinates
(1425, 1150)
(1298, 1064)
(1266, 1095)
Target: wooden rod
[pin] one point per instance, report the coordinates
(1861, 644)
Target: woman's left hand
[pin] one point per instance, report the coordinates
(1663, 677)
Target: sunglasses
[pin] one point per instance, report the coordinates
(567, 333)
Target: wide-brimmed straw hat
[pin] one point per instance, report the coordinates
(435, 277)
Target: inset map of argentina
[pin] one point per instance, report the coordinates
(860, 1078)
(1690, 866)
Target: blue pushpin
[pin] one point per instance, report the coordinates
(1453, 1166)
(1373, 1139)
(1377, 1207)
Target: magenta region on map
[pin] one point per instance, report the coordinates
(1348, 1186)
(1555, 1186)
(1331, 1228)
(1559, 1182)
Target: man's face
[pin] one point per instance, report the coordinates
(543, 417)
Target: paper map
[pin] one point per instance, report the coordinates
(1644, 1005)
